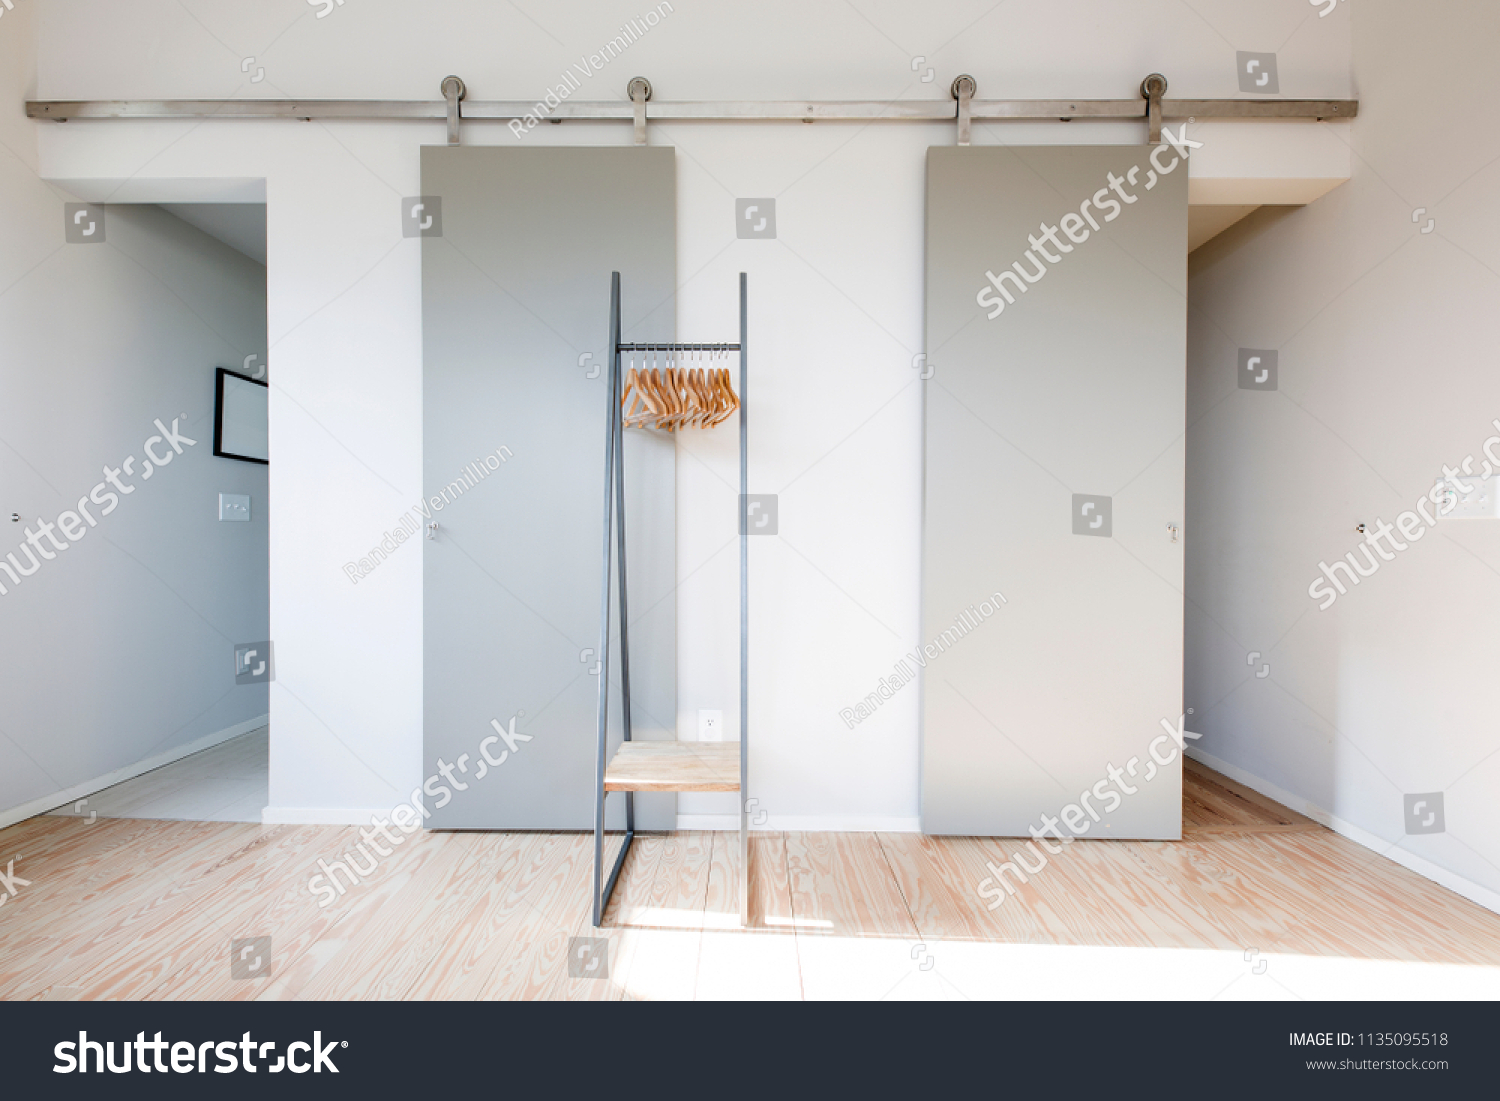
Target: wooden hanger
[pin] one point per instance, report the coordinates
(645, 409)
(704, 398)
(673, 397)
(728, 403)
(632, 418)
(672, 387)
(657, 397)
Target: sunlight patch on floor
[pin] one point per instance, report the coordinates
(656, 964)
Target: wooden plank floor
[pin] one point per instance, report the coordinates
(149, 909)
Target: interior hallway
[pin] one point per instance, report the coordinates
(229, 782)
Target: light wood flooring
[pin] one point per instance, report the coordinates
(141, 909)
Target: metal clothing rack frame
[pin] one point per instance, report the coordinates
(689, 770)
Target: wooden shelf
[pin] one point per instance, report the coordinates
(674, 766)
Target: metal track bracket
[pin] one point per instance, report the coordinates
(639, 90)
(963, 90)
(1152, 89)
(453, 90)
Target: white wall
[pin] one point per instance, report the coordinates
(1387, 350)
(836, 307)
(117, 653)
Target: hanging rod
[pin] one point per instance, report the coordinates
(679, 347)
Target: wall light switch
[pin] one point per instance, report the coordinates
(234, 506)
(710, 726)
(1482, 502)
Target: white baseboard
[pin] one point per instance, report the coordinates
(322, 816)
(1458, 884)
(129, 772)
(722, 822)
(806, 823)
(355, 816)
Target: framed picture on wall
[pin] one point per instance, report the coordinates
(240, 417)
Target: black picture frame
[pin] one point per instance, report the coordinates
(219, 373)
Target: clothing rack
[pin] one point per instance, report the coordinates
(662, 766)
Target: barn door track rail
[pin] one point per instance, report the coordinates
(963, 107)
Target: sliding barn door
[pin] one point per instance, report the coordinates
(1052, 572)
(517, 252)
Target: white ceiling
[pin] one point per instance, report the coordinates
(241, 226)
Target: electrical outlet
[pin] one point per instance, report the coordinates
(1482, 502)
(234, 506)
(710, 726)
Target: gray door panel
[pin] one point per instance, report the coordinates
(1053, 469)
(514, 292)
